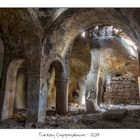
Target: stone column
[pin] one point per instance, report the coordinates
(1, 57)
(36, 97)
(92, 82)
(139, 86)
(61, 94)
(43, 99)
(101, 90)
(138, 50)
(33, 89)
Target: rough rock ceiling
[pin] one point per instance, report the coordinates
(80, 59)
(115, 57)
(22, 29)
(26, 28)
(73, 21)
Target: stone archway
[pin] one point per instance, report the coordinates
(10, 90)
(61, 87)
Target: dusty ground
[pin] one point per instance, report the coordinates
(77, 120)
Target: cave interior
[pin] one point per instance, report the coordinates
(69, 68)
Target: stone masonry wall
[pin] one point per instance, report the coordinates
(122, 90)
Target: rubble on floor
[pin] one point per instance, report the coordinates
(19, 118)
(113, 118)
(76, 109)
(73, 109)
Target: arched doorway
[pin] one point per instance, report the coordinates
(20, 104)
(59, 78)
(10, 90)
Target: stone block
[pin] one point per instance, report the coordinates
(115, 114)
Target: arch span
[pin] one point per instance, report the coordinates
(10, 89)
(61, 87)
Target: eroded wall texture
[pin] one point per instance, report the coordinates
(122, 90)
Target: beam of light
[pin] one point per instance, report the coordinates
(83, 34)
(131, 43)
(117, 30)
(83, 100)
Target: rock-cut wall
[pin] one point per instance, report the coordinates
(122, 90)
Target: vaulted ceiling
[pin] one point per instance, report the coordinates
(23, 29)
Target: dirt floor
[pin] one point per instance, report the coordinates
(77, 120)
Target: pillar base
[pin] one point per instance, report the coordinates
(91, 107)
(61, 96)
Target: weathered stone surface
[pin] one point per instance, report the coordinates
(88, 121)
(115, 114)
(123, 91)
